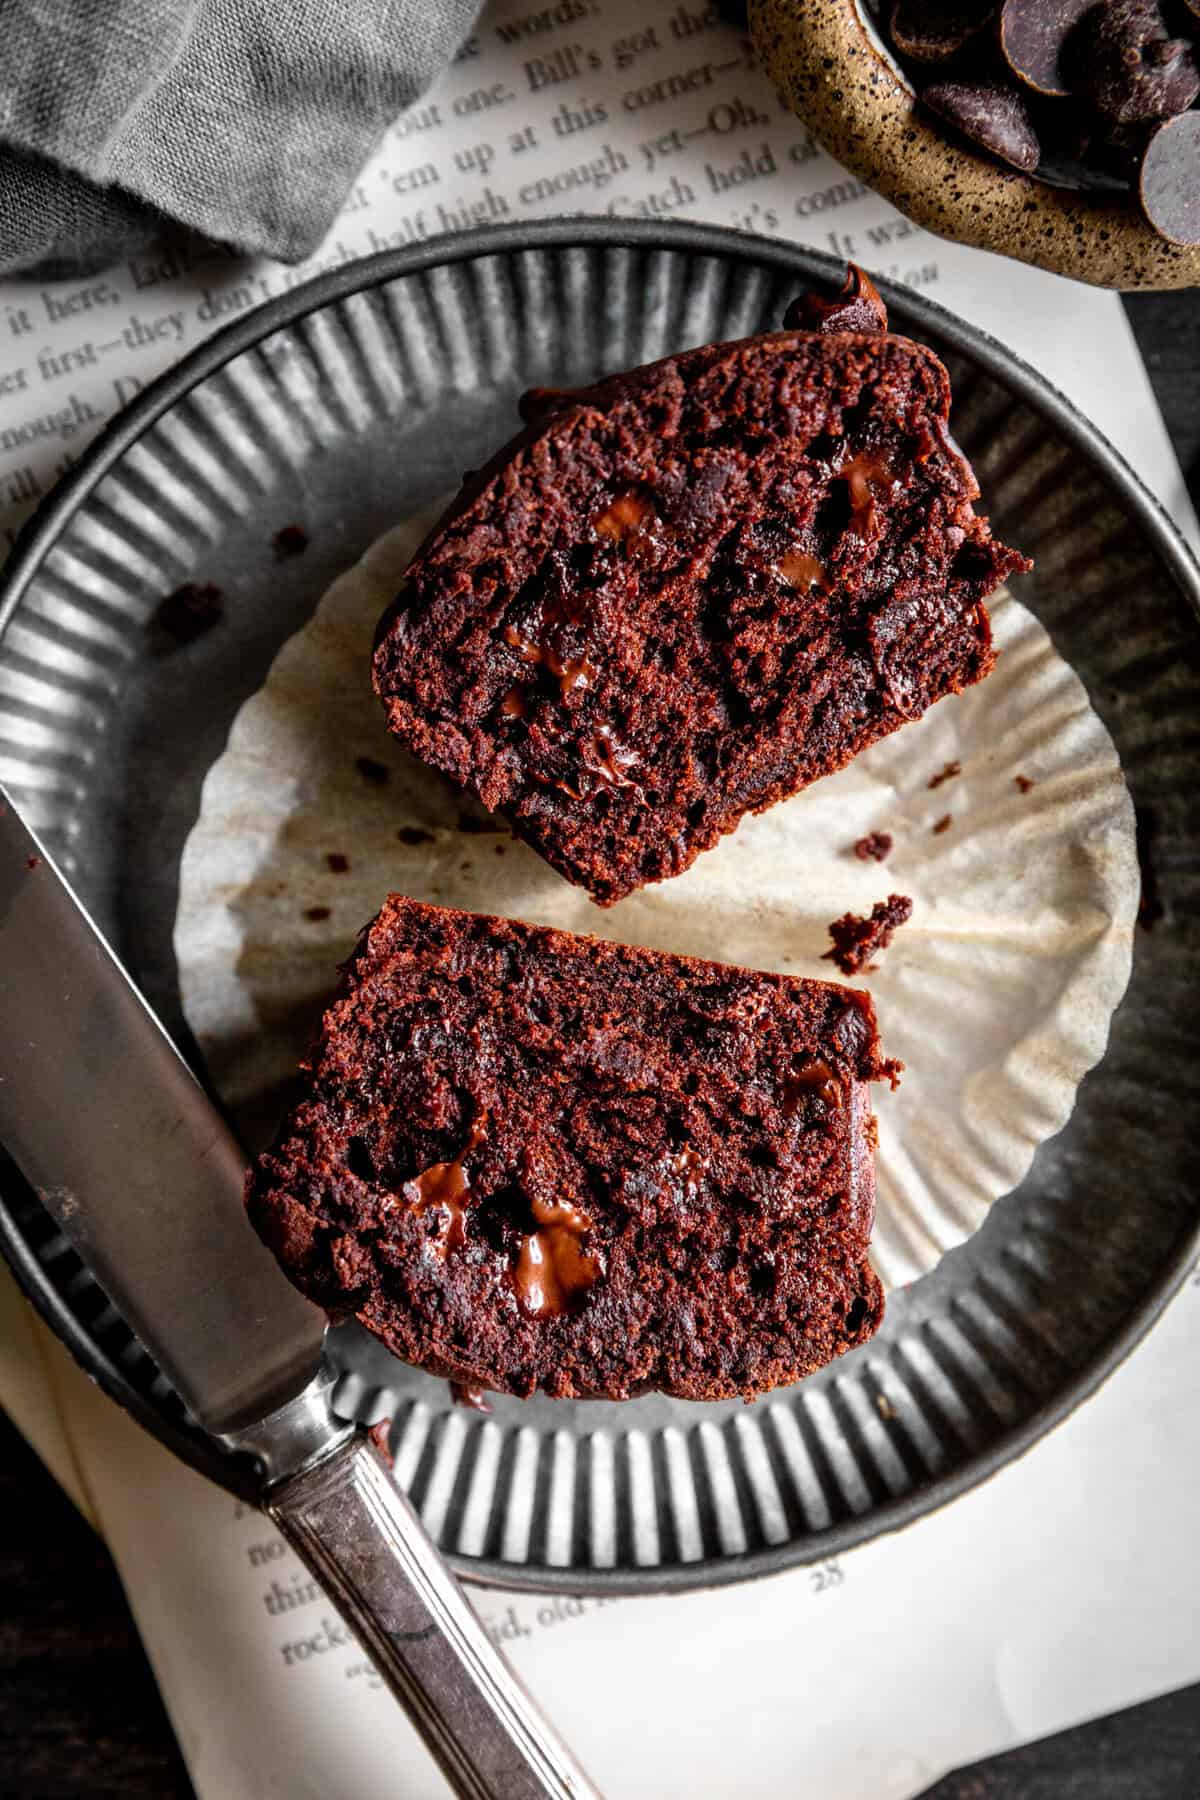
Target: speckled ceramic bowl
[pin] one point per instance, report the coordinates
(832, 68)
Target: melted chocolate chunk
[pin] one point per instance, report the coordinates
(554, 1269)
(444, 1188)
(813, 1081)
(858, 307)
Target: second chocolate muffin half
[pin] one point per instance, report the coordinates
(685, 593)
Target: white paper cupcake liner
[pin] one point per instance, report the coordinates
(997, 994)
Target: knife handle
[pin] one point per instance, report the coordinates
(361, 1538)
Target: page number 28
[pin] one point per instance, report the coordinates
(826, 1575)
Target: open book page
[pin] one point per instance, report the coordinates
(576, 106)
(1065, 1587)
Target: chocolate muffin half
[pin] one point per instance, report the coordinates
(526, 1159)
(685, 593)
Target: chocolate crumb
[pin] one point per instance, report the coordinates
(1023, 783)
(469, 1393)
(946, 773)
(381, 1436)
(292, 540)
(339, 864)
(874, 847)
(413, 834)
(33, 862)
(857, 939)
(943, 824)
(317, 912)
(370, 770)
(184, 615)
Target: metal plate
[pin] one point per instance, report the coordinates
(355, 400)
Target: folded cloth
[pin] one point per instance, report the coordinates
(245, 120)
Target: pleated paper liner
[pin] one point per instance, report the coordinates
(1013, 835)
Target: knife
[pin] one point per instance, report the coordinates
(108, 1124)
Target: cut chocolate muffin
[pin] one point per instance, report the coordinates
(685, 593)
(526, 1159)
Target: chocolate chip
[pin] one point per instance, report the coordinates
(994, 117)
(1033, 34)
(1169, 185)
(932, 31)
(1126, 64)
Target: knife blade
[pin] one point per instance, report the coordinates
(142, 1174)
(104, 1118)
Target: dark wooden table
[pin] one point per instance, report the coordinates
(80, 1715)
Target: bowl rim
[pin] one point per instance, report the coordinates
(43, 530)
(810, 46)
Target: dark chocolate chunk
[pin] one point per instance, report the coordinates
(994, 117)
(1169, 184)
(1033, 34)
(859, 307)
(932, 31)
(1125, 62)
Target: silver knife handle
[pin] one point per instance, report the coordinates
(360, 1536)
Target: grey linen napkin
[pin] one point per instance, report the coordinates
(245, 120)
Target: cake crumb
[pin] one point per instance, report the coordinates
(856, 939)
(184, 615)
(371, 770)
(381, 1436)
(339, 863)
(413, 834)
(943, 824)
(1023, 783)
(499, 849)
(946, 773)
(33, 862)
(291, 540)
(317, 912)
(874, 847)
(470, 1394)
